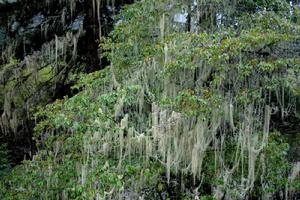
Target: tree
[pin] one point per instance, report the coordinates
(190, 96)
(43, 45)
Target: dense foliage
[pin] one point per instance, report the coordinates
(187, 109)
(5, 164)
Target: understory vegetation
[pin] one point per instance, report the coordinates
(191, 106)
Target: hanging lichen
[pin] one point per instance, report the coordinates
(188, 105)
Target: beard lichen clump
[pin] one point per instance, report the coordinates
(185, 105)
